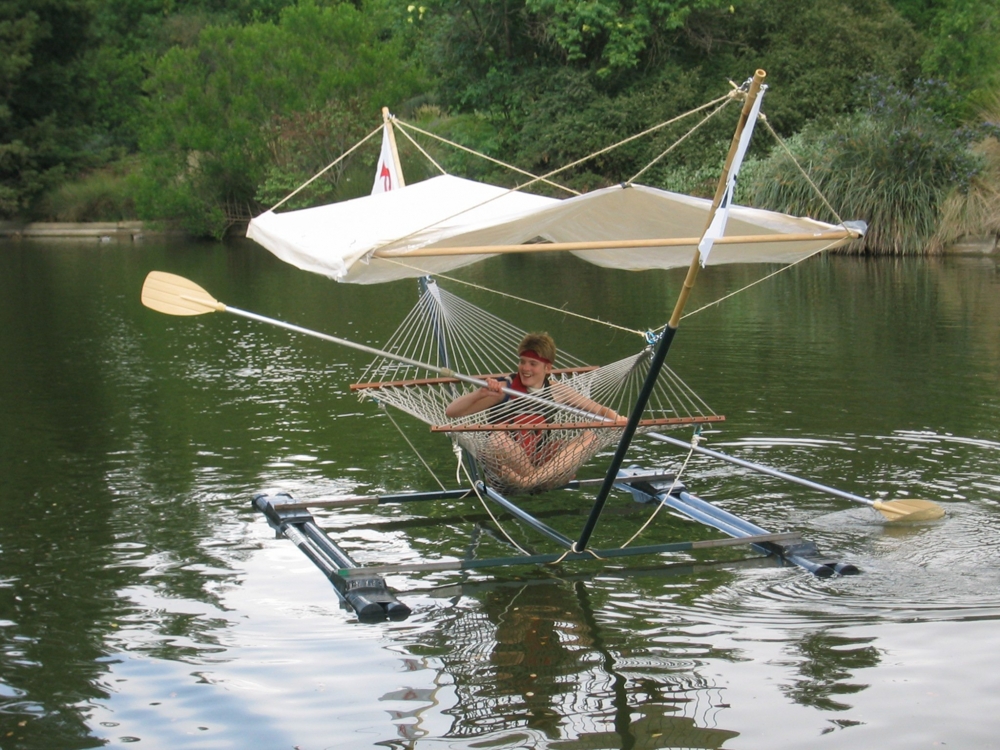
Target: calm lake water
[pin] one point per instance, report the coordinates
(143, 600)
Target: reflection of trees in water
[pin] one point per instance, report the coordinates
(828, 661)
(531, 665)
(109, 528)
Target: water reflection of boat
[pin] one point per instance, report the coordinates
(531, 665)
(445, 223)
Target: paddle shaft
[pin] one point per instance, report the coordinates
(762, 469)
(444, 371)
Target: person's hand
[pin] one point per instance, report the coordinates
(494, 385)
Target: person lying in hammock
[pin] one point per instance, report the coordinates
(532, 459)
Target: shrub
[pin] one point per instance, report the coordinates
(975, 212)
(892, 164)
(102, 195)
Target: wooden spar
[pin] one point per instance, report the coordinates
(387, 121)
(549, 247)
(440, 381)
(668, 335)
(541, 427)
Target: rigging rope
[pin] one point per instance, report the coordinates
(805, 174)
(554, 172)
(695, 439)
(771, 275)
(326, 169)
(763, 118)
(524, 300)
(680, 140)
(631, 138)
(419, 147)
(404, 125)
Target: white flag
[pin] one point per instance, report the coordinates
(717, 228)
(385, 173)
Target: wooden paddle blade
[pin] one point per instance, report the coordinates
(175, 295)
(909, 510)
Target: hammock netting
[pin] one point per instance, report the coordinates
(530, 443)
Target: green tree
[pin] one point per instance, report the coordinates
(964, 50)
(614, 35)
(817, 53)
(71, 76)
(42, 111)
(214, 108)
(553, 96)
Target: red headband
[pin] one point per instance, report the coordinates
(532, 354)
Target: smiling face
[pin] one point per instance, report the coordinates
(532, 371)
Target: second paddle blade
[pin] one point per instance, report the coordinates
(909, 510)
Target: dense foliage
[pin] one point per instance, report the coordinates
(220, 113)
(204, 112)
(892, 163)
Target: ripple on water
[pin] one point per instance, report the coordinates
(935, 571)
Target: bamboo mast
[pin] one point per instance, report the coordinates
(387, 121)
(668, 334)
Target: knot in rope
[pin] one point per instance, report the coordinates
(456, 449)
(573, 549)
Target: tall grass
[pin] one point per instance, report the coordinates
(102, 195)
(913, 177)
(975, 212)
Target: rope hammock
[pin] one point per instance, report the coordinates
(530, 442)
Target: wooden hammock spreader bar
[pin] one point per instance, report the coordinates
(516, 427)
(369, 570)
(439, 381)
(548, 247)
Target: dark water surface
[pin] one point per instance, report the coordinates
(143, 601)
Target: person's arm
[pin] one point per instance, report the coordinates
(477, 400)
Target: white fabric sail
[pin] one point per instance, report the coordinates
(339, 240)
(335, 239)
(387, 170)
(717, 228)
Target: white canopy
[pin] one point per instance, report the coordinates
(344, 240)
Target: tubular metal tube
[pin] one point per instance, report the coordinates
(526, 517)
(762, 469)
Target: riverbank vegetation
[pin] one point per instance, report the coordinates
(201, 113)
